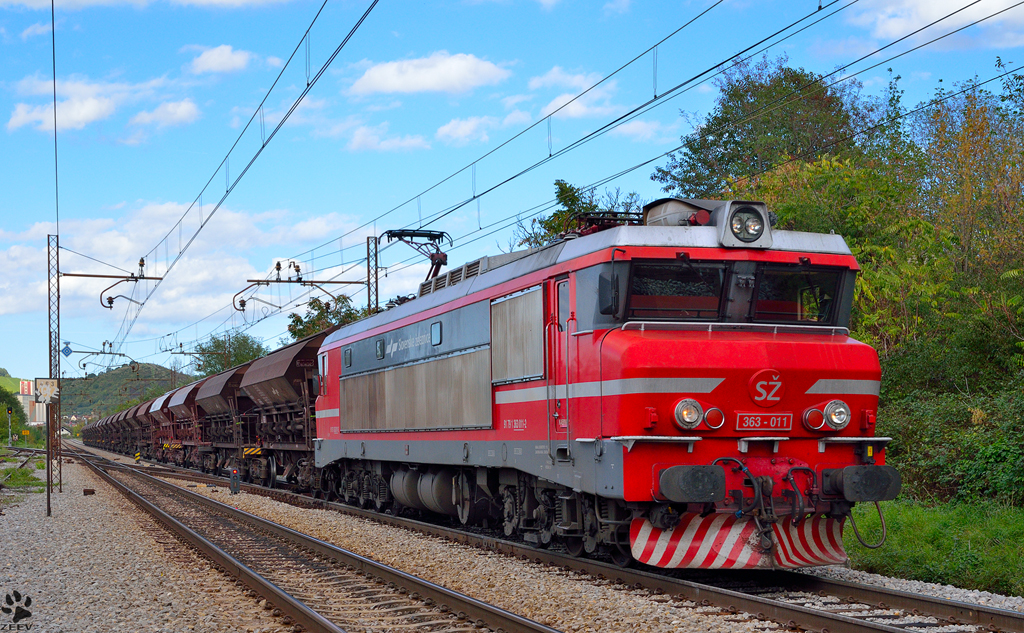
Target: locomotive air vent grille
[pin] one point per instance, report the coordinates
(440, 282)
(426, 287)
(472, 269)
(455, 276)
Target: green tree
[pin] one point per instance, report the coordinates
(765, 114)
(574, 202)
(224, 352)
(18, 421)
(321, 315)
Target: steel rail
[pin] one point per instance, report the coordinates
(471, 608)
(289, 605)
(949, 611)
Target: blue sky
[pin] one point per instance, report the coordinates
(152, 95)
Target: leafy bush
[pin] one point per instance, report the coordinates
(959, 447)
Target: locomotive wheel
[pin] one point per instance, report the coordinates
(366, 491)
(620, 551)
(381, 498)
(575, 546)
(590, 529)
(346, 488)
(330, 483)
(510, 512)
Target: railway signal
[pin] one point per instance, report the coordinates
(235, 482)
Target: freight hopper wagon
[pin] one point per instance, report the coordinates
(257, 418)
(684, 393)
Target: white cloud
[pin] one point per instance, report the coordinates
(441, 72)
(616, 6)
(595, 103)
(375, 138)
(514, 100)
(222, 59)
(548, 5)
(463, 131)
(169, 113)
(82, 102)
(72, 114)
(890, 19)
(275, 62)
(644, 131)
(558, 78)
(39, 28)
(516, 117)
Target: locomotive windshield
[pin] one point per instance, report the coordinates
(676, 291)
(761, 293)
(794, 294)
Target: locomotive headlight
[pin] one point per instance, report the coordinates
(837, 414)
(746, 224)
(689, 414)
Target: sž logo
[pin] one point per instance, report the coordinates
(17, 605)
(766, 388)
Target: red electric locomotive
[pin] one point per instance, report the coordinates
(684, 393)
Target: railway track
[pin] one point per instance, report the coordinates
(793, 600)
(317, 586)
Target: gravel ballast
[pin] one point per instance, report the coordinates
(563, 600)
(98, 564)
(949, 592)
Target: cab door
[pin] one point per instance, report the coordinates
(561, 321)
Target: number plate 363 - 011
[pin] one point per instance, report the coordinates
(764, 421)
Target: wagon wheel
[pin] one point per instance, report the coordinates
(271, 479)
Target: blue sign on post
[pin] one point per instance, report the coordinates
(66, 351)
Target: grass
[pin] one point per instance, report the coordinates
(21, 478)
(969, 545)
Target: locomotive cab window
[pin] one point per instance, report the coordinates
(675, 291)
(348, 357)
(797, 294)
(435, 333)
(563, 304)
(380, 349)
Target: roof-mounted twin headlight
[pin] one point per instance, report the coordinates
(746, 224)
(743, 224)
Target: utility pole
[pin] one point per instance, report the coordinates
(10, 410)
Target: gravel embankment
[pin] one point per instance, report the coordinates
(98, 564)
(949, 592)
(563, 600)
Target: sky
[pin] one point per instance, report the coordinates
(454, 115)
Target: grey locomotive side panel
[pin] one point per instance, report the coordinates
(444, 393)
(461, 329)
(517, 336)
(433, 374)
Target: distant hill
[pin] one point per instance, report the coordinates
(106, 393)
(10, 384)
